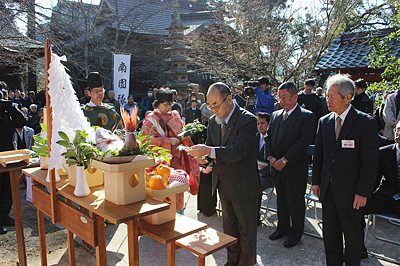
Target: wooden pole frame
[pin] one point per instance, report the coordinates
(49, 114)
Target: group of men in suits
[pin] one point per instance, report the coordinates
(345, 167)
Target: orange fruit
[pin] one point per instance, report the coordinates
(157, 182)
(163, 171)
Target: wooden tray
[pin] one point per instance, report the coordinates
(14, 156)
(167, 191)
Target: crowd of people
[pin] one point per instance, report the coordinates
(257, 137)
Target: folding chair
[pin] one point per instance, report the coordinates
(393, 219)
(267, 192)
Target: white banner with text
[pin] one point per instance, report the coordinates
(122, 70)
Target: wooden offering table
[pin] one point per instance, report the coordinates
(15, 179)
(89, 228)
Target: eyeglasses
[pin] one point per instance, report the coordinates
(98, 91)
(167, 104)
(218, 106)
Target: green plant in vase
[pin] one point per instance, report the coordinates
(40, 146)
(79, 152)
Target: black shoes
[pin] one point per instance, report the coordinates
(290, 242)
(2, 230)
(277, 235)
(7, 221)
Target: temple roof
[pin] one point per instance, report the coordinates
(351, 50)
(151, 16)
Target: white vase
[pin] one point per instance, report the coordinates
(81, 187)
(57, 176)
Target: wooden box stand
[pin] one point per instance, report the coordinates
(95, 177)
(124, 183)
(170, 214)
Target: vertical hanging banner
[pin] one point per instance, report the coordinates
(122, 70)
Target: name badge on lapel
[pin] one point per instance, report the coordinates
(348, 144)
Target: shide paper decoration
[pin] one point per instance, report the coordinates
(67, 114)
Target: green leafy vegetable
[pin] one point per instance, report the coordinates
(80, 151)
(191, 128)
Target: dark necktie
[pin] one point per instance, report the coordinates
(223, 129)
(338, 127)
(398, 164)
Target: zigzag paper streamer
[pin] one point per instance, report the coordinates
(67, 114)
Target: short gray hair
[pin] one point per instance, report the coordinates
(289, 86)
(346, 85)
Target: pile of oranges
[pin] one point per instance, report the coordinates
(158, 179)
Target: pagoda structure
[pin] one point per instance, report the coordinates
(178, 60)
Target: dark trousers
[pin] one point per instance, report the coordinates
(239, 219)
(375, 205)
(290, 205)
(339, 218)
(5, 195)
(206, 201)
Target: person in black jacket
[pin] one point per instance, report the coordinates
(345, 165)
(193, 113)
(361, 101)
(386, 196)
(31, 100)
(10, 118)
(311, 101)
(288, 137)
(266, 179)
(231, 144)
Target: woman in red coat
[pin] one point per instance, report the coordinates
(167, 125)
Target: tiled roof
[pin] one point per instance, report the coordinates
(150, 16)
(351, 51)
(20, 43)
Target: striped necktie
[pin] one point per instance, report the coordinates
(223, 129)
(338, 127)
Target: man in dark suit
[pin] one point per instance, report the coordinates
(289, 135)
(386, 196)
(193, 113)
(30, 100)
(231, 144)
(344, 171)
(266, 179)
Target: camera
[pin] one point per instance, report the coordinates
(253, 83)
(250, 98)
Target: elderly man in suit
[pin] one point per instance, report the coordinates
(231, 145)
(289, 134)
(344, 170)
